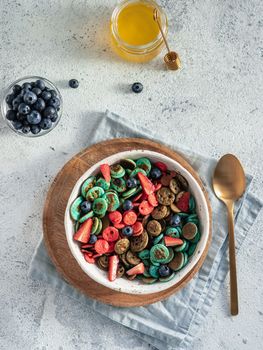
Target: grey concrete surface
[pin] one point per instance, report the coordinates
(214, 105)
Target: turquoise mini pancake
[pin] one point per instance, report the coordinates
(113, 201)
(86, 217)
(103, 183)
(197, 238)
(94, 193)
(159, 253)
(192, 204)
(154, 271)
(172, 232)
(128, 172)
(185, 258)
(158, 239)
(146, 262)
(145, 164)
(129, 193)
(117, 171)
(136, 171)
(76, 226)
(155, 263)
(181, 248)
(146, 273)
(87, 185)
(128, 164)
(192, 218)
(191, 249)
(168, 278)
(183, 215)
(75, 210)
(118, 184)
(144, 254)
(177, 262)
(170, 257)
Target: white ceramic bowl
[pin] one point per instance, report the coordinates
(135, 286)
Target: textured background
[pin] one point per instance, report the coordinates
(214, 105)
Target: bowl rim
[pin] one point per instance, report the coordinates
(4, 106)
(139, 288)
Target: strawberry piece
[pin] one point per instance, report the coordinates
(161, 166)
(87, 246)
(89, 259)
(137, 228)
(144, 197)
(110, 234)
(145, 208)
(105, 170)
(101, 246)
(113, 267)
(136, 270)
(136, 204)
(137, 197)
(111, 247)
(183, 202)
(172, 242)
(158, 186)
(119, 226)
(129, 217)
(152, 199)
(115, 217)
(147, 186)
(83, 233)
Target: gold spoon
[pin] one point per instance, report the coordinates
(229, 184)
(171, 59)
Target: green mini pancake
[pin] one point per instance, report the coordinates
(75, 210)
(145, 164)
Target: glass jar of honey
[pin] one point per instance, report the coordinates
(135, 35)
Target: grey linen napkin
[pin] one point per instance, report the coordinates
(172, 323)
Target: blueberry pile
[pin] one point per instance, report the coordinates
(32, 107)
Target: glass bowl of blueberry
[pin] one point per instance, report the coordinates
(32, 106)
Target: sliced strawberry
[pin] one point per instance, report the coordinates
(113, 267)
(89, 259)
(172, 242)
(111, 247)
(136, 270)
(105, 170)
(144, 197)
(87, 245)
(147, 186)
(115, 217)
(161, 166)
(83, 233)
(157, 187)
(145, 208)
(137, 197)
(136, 204)
(152, 199)
(183, 202)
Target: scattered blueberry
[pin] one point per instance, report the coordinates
(37, 91)
(40, 84)
(25, 129)
(93, 239)
(46, 95)
(54, 102)
(39, 105)
(26, 86)
(35, 129)
(34, 117)
(30, 98)
(127, 231)
(17, 125)
(85, 207)
(164, 271)
(49, 111)
(137, 87)
(17, 89)
(23, 108)
(46, 124)
(175, 220)
(9, 99)
(73, 83)
(155, 173)
(11, 115)
(131, 182)
(127, 205)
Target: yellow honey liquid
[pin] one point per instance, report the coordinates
(136, 25)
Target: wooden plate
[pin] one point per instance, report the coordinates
(54, 231)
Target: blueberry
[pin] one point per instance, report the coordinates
(25, 129)
(49, 111)
(34, 117)
(53, 93)
(85, 207)
(30, 98)
(23, 108)
(17, 125)
(26, 86)
(54, 117)
(46, 124)
(73, 83)
(46, 95)
(137, 87)
(164, 271)
(17, 89)
(33, 84)
(39, 105)
(54, 102)
(35, 129)
(175, 220)
(155, 173)
(131, 182)
(10, 115)
(20, 117)
(16, 102)
(127, 231)
(40, 84)
(127, 205)
(92, 239)
(23, 92)
(9, 99)
(36, 91)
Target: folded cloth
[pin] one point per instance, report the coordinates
(172, 323)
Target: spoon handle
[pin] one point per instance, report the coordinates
(232, 261)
